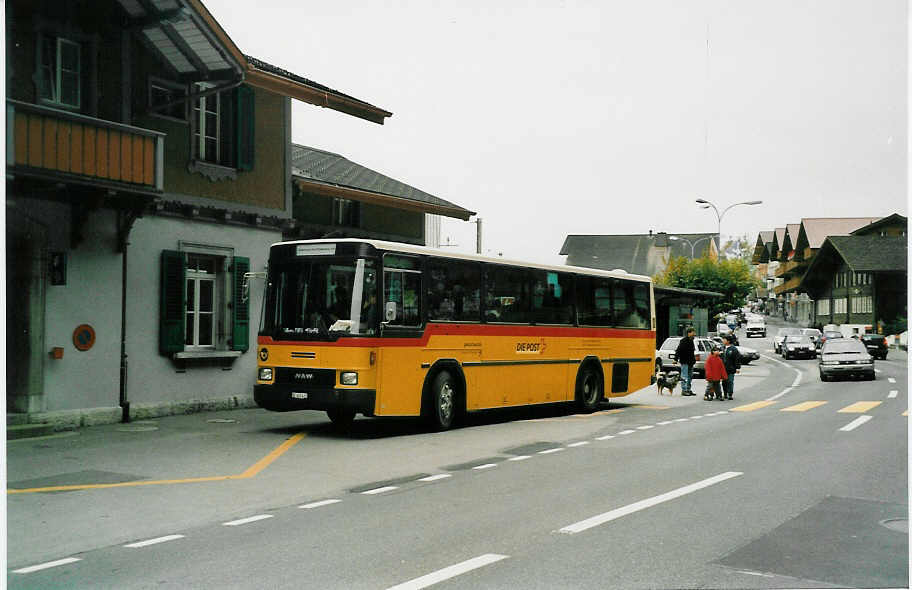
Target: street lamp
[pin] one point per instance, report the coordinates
(692, 245)
(706, 205)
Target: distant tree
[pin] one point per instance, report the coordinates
(731, 277)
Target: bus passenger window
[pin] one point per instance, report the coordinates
(507, 295)
(552, 298)
(453, 290)
(594, 296)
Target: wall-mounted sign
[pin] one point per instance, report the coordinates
(84, 337)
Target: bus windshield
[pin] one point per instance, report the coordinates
(321, 299)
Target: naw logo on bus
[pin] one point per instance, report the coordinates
(531, 347)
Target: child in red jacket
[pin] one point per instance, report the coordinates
(715, 373)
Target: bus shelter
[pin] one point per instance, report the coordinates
(678, 308)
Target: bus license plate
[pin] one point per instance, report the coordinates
(299, 395)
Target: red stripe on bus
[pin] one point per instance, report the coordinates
(469, 330)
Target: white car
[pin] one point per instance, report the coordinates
(723, 328)
(756, 328)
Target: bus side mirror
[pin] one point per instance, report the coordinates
(390, 311)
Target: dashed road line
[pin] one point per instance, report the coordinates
(893, 393)
(579, 444)
(855, 423)
(600, 519)
(165, 539)
(549, 451)
(382, 490)
(485, 466)
(891, 379)
(320, 504)
(248, 520)
(803, 407)
(645, 427)
(48, 565)
(437, 477)
(626, 432)
(859, 407)
(520, 458)
(606, 437)
(450, 572)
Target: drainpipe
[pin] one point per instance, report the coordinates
(125, 222)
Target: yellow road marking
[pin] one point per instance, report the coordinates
(859, 407)
(752, 407)
(250, 472)
(802, 407)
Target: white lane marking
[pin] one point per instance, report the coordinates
(449, 572)
(320, 504)
(247, 520)
(893, 393)
(439, 476)
(695, 417)
(549, 451)
(891, 379)
(794, 384)
(627, 432)
(681, 419)
(664, 422)
(855, 423)
(44, 566)
(154, 541)
(647, 503)
(646, 427)
(519, 458)
(579, 444)
(485, 466)
(380, 490)
(606, 437)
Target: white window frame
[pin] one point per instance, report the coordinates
(201, 107)
(56, 70)
(222, 293)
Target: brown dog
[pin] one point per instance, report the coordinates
(667, 381)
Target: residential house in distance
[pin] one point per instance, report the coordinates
(149, 168)
(859, 281)
(333, 196)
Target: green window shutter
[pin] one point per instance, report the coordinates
(173, 304)
(245, 118)
(240, 339)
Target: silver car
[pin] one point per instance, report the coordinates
(666, 359)
(845, 357)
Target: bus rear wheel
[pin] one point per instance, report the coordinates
(588, 390)
(341, 418)
(441, 411)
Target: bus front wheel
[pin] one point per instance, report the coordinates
(588, 389)
(442, 410)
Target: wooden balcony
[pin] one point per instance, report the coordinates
(788, 286)
(786, 268)
(46, 142)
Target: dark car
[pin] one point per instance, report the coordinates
(845, 357)
(876, 345)
(799, 346)
(828, 335)
(780, 337)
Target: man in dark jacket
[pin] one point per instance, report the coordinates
(686, 355)
(731, 358)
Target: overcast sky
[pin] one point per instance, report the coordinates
(556, 117)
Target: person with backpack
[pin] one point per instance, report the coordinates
(731, 359)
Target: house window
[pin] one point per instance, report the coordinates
(163, 93)
(823, 307)
(223, 126)
(863, 304)
(59, 71)
(346, 213)
(202, 303)
(839, 305)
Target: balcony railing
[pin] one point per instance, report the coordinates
(787, 286)
(46, 141)
(786, 268)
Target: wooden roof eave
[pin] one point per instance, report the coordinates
(314, 96)
(344, 192)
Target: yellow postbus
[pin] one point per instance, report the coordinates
(384, 329)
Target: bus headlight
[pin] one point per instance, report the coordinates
(265, 374)
(349, 378)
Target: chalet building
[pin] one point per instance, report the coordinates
(641, 254)
(149, 167)
(859, 281)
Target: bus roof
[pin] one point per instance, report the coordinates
(411, 249)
